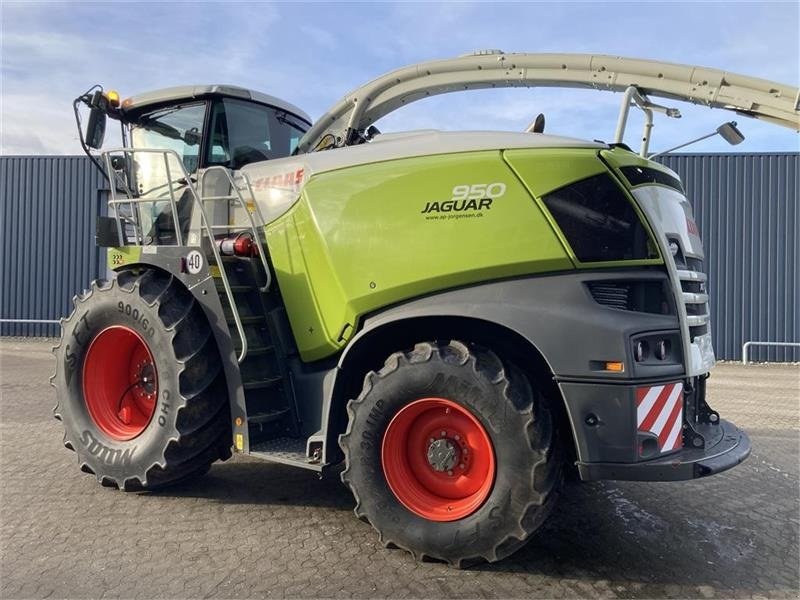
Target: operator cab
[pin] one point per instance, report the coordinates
(205, 126)
(214, 125)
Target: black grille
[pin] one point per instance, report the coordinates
(610, 294)
(639, 296)
(695, 309)
(642, 175)
(694, 287)
(694, 264)
(695, 330)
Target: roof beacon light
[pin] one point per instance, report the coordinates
(113, 98)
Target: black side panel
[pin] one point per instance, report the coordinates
(733, 446)
(603, 419)
(574, 333)
(557, 314)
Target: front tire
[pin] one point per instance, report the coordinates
(451, 454)
(139, 384)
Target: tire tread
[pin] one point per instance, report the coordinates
(520, 396)
(202, 422)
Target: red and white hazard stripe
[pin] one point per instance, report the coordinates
(659, 410)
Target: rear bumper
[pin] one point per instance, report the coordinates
(732, 447)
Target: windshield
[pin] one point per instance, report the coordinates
(245, 132)
(154, 177)
(178, 128)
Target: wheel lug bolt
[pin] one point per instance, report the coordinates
(450, 473)
(461, 466)
(456, 437)
(432, 440)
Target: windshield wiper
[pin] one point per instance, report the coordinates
(190, 137)
(283, 118)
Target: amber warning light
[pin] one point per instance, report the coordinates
(113, 98)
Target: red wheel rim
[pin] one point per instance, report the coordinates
(120, 382)
(438, 459)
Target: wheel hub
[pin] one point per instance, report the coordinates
(443, 455)
(120, 382)
(147, 378)
(438, 459)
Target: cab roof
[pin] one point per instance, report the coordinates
(140, 102)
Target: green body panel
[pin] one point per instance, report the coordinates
(359, 238)
(545, 171)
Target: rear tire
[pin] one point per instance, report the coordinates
(139, 383)
(409, 433)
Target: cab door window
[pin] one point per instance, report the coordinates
(245, 132)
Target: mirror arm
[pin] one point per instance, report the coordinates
(634, 97)
(700, 139)
(86, 99)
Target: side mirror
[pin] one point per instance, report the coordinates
(192, 137)
(730, 133)
(95, 128)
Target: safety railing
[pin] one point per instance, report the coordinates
(134, 204)
(237, 197)
(33, 321)
(746, 346)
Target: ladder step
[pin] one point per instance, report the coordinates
(256, 385)
(254, 350)
(268, 416)
(236, 259)
(236, 289)
(249, 320)
(288, 451)
(258, 350)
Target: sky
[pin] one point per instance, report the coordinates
(312, 54)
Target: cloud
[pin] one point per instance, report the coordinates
(319, 36)
(313, 54)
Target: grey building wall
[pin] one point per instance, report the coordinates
(49, 206)
(747, 207)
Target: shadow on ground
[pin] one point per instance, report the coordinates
(645, 534)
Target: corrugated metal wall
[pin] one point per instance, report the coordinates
(747, 207)
(49, 205)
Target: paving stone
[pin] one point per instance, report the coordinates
(254, 529)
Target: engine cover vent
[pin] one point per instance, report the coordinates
(610, 294)
(639, 296)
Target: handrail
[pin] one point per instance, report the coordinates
(44, 321)
(243, 204)
(178, 235)
(746, 347)
(173, 202)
